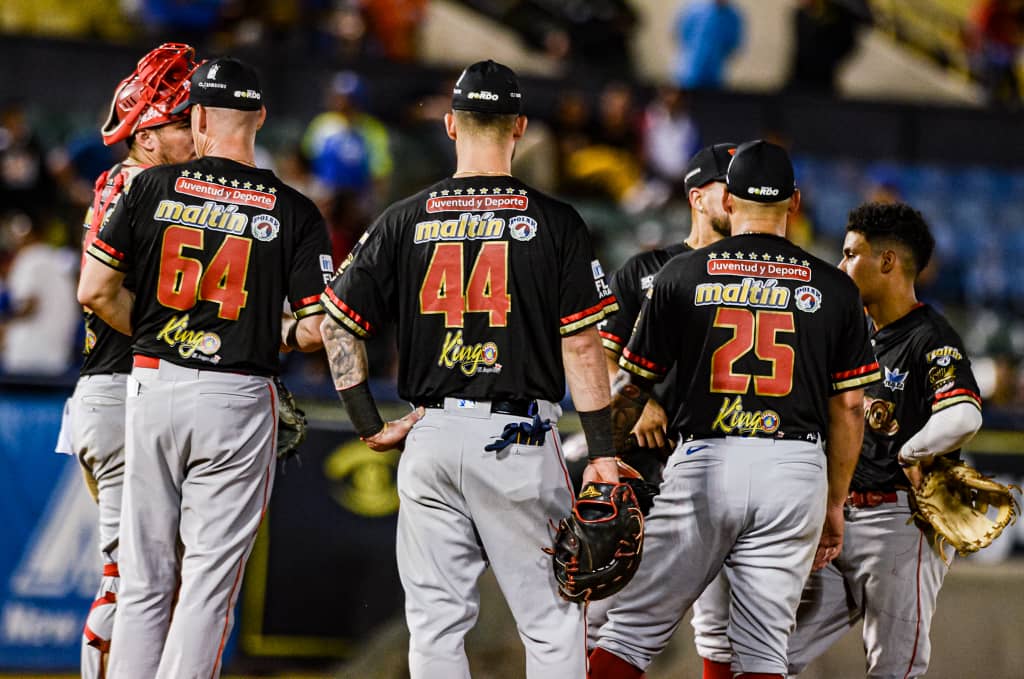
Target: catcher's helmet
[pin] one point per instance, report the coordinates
(147, 97)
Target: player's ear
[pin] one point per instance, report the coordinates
(727, 202)
(263, 117)
(694, 196)
(519, 128)
(449, 125)
(794, 203)
(887, 261)
(146, 140)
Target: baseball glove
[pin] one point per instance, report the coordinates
(643, 489)
(955, 500)
(291, 422)
(598, 546)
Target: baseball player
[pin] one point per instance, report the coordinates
(888, 572)
(705, 183)
(140, 115)
(215, 246)
(771, 355)
(497, 294)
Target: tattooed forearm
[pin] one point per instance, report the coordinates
(346, 354)
(629, 396)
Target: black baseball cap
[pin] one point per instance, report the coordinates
(487, 87)
(708, 165)
(224, 83)
(761, 171)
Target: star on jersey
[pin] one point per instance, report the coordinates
(471, 192)
(522, 192)
(209, 177)
(792, 260)
(779, 258)
(246, 185)
(433, 194)
(483, 192)
(186, 173)
(457, 192)
(234, 183)
(222, 180)
(272, 190)
(259, 187)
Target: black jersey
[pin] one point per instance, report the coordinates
(630, 285)
(762, 334)
(483, 276)
(925, 370)
(215, 247)
(106, 351)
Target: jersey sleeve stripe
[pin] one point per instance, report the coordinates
(854, 382)
(642, 362)
(309, 310)
(611, 342)
(578, 321)
(306, 300)
(953, 397)
(102, 256)
(344, 315)
(846, 374)
(638, 369)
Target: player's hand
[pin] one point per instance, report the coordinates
(286, 327)
(601, 470)
(393, 434)
(831, 542)
(914, 475)
(650, 428)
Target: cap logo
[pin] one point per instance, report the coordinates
(483, 94)
(248, 94)
(691, 173)
(212, 73)
(763, 190)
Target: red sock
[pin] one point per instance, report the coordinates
(716, 670)
(606, 665)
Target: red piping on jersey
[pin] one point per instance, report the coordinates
(957, 392)
(856, 371)
(642, 362)
(110, 250)
(917, 625)
(349, 311)
(263, 513)
(306, 301)
(566, 320)
(608, 335)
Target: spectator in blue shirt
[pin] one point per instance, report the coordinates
(708, 32)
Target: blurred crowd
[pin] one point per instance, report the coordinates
(615, 149)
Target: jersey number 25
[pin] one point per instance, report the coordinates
(759, 333)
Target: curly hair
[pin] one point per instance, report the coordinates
(884, 224)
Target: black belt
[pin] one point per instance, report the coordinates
(807, 436)
(519, 408)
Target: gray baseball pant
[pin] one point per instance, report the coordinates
(755, 505)
(463, 508)
(200, 454)
(97, 421)
(887, 573)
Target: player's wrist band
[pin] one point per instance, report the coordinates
(362, 410)
(597, 429)
(291, 337)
